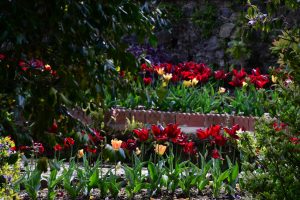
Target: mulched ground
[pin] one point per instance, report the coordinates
(164, 195)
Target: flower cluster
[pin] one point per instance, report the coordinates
(192, 74)
(162, 135)
(216, 138)
(7, 147)
(36, 65)
(159, 135)
(36, 148)
(9, 171)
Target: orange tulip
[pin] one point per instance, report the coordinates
(116, 144)
(160, 149)
(80, 153)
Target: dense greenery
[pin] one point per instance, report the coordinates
(81, 41)
(271, 155)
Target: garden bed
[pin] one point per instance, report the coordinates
(62, 194)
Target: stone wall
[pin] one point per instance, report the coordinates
(184, 39)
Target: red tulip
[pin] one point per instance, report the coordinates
(215, 154)
(143, 134)
(24, 148)
(232, 132)
(214, 130)
(236, 82)
(172, 131)
(91, 150)
(294, 140)
(147, 81)
(57, 147)
(239, 74)
(189, 148)
(187, 75)
(47, 67)
(54, 127)
(13, 148)
(279, 126)
(220, 75)
(202, 135)
(181, 139)
(22, 63)
(130, 145)
(122, 73)
(158, 133)
(68, 142)
(220, 140)
(53, 73)
(95, 137)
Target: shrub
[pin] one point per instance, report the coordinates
(9, 168)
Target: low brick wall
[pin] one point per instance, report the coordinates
(117, 119)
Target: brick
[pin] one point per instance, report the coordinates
(219, 119)
(196, 120)
(209, 120)
(139, 115)
(182, 119)
(168, 117)
(153, 117)
(251, 123)
(242, 122)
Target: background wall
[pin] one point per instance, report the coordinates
(211, 32)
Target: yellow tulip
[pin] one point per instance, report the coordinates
(160, 71)
(167, 77)
(137, 151)
(80, 153)
(245, 84)
(187, 83)
(116, 144)
(160, 149)
(274, 78)
(222, 90)
(194, 81)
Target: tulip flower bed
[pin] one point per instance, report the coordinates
(193, 87)
(151, 162)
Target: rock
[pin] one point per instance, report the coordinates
(188, 9)
(212, 44)
(225, 12)
(220, 54)
(221, 63)
(235, 34)
(163, 37)
(44, 184)
(226, 30)
(234, 17)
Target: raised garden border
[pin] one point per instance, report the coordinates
(117, 119)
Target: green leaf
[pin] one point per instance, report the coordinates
(94, 179)
(153, 40)
(152, 171)
(161, 93)
(235, 172)
(202, 184)
(223, 176)
(122, 153)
